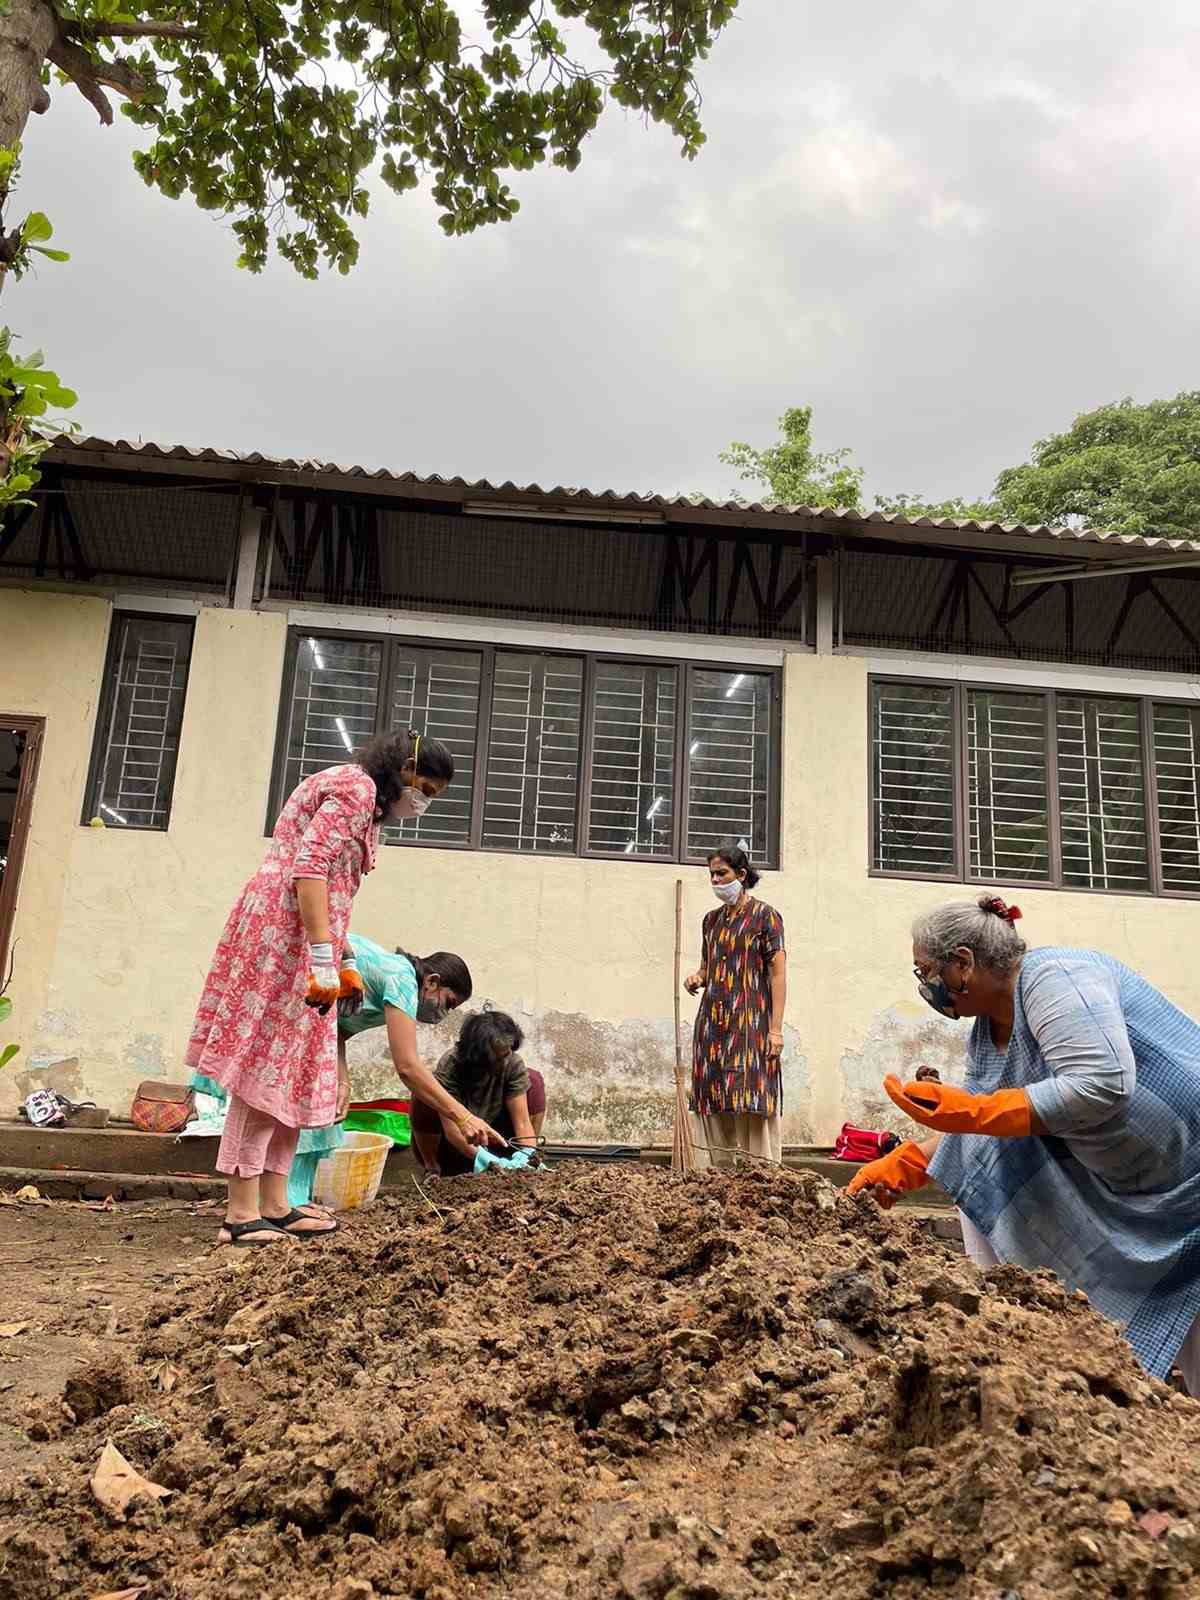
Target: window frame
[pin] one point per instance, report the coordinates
(104, 709)
(960, 689)
(487, 651)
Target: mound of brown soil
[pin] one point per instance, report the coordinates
(619, 1383)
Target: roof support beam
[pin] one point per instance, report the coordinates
(1026, 577)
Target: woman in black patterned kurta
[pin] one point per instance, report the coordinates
(737, 1083)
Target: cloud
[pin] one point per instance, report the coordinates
(947, 227)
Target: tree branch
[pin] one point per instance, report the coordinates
(137, 30)
(92, 77)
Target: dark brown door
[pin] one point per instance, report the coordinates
(20, 749)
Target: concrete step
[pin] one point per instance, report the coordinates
(127, 1151)
(90, 1163)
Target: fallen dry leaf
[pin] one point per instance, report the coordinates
(29, 1196)
(116, 1484)
(10, 1330)
(241, 1349)
(122, 1594)
(107, 1204)
(163, 1376)
(1155, 1523)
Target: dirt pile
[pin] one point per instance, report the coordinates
(619, 1383)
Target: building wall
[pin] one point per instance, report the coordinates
(117, 928)
(52, 650)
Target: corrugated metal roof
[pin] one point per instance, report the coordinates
(68, 448)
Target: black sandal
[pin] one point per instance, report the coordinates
(285, 1224)
(237, 1232)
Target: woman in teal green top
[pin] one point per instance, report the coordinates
(394, 985)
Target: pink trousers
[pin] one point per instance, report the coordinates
(254, 1143)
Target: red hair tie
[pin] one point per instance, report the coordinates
(1010, 914)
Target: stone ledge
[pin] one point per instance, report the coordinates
(122, 1186)
(127, 1153)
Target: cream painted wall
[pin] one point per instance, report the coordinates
(117, 928)
(52, 649)
(119, 952)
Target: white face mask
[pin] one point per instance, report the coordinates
(728, 892)
(412, 803)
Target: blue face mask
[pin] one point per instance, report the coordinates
(936, 993)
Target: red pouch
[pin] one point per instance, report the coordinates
(860, 1144)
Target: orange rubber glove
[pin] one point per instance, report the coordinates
(1004, 1114)
(351, 994)
(901, 1170)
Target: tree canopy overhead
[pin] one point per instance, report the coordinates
(272, 112)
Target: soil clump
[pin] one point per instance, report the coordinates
(616, 1384)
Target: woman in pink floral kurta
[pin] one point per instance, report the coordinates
(266, 1026)
(253, 1032)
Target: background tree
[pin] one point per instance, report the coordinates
(792, 473)
(1124, 467)
(912, 506)
(271, 112)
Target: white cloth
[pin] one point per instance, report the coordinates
(1188, 1359)
(717, 1139)
(209, 1121)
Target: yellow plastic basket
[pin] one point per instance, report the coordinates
(349, 1178)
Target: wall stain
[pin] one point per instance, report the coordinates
(895, 1043)
(66, 1078)
(143, 1058)
(606, 1082)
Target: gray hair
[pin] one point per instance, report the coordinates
(985, 927)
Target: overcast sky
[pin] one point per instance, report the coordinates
(947, 226)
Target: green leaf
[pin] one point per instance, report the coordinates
(37, 228)
(5, 1008)
(9, 1051)
(51, 255)
(242, 123)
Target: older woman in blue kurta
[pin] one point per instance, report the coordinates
(1075, 1143)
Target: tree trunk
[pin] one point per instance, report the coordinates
(27, 32)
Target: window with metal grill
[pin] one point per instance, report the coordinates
(1176, 735)
(631, 808)
(987, 784)
(132, 774)
(729, 761)
(1101, 793)
(437, 693)
(531, 791)
(333, 703)
(555, 752)
(912, 799)
(1008, 818)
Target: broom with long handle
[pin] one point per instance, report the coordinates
(683, 1155)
